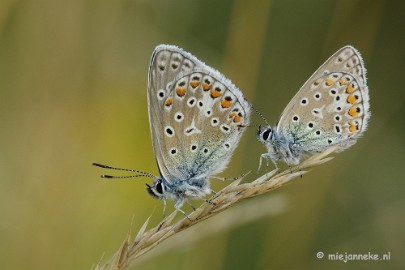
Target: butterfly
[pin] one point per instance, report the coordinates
(331, 109)
(197, 117)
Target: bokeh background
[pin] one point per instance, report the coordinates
(73, 79)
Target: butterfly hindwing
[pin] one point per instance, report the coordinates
(207, 120)
(331, 108)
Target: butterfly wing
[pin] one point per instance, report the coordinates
(332, 107)
(166, 64)
(196, 116)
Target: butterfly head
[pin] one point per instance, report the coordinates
(265, 134)
(157, 189)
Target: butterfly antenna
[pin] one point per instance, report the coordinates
(248, 126)
(260, 114)
(140, 173)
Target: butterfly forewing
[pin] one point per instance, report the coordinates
(167, 63)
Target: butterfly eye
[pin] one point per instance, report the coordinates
(156, 190)
(159, 187)
(266, 134)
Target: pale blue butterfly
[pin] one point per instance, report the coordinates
(197, 117)
(330, 110)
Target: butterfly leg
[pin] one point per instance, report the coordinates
(260, 162)
(267, 157)
(192, 207)
(178, 206)
(164, 209)
(275, 165)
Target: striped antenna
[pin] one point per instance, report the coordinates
(260, 114)
(140, 173)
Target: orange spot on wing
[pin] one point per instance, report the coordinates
(353, 112)
(194, 84)
(349, 89)
(236, 118)
(206, 86)
(353, 127)
(169, 101)
(343, 81)
(180, 91)
(226, 104)
(329, 81)
(215, 94)
(351, 99)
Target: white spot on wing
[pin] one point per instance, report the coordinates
(318, 112)
(192, 129)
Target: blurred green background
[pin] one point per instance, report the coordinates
(73, 79)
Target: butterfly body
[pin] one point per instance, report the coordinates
(330, 110)
(179, 190)
(279, 147)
